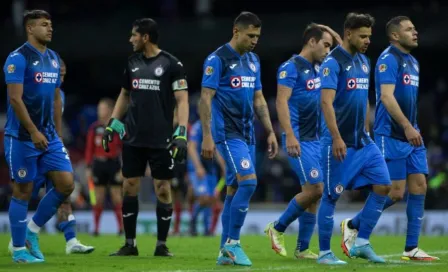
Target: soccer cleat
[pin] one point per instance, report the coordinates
(277, 239)
(418, 255)
(348, 237)
(23, 256)
(330, 259)
(306, 254)
(32, 243)
(126, 250)
(236, 254)
(163, 251)
(366, 252)
(76, 247)
(10, 247)
(222, 260)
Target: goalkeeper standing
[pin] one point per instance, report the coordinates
(153, 84)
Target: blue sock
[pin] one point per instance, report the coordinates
(370, 214)
(225, 219)
(389, 202)
(307, 222)
(414, 210)
(69, 228)
(355, 221)
(48, 207)
(18, 210)
(325, 222)
(239, 208)
(207, 213)
(292, 212)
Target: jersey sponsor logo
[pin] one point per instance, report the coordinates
(46, 77)
(158, 71)
(360, 83)
(245, 163)
(326, 71)
(310, 84)
(11, 68)
(339, 189)
(180, 84)
(282, 74)
(410, 80)
(351, 83)
(235, 82)
(146, 84)
(314, 173)
(252, 67)
(242, 82)
(22, 173)
(382, 68)
(365, 68)
(208, 70)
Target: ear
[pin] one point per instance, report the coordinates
(235, 31)
(347, 33)
(395, 36)
(312, 42)
(145, 38)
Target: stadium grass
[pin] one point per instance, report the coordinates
(194, 254)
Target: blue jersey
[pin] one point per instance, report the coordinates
(39, 74)
(195, 135)
(402, 70)
(235, 78)
(349, 76)
(304, 104)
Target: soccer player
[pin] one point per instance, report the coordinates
(298, 94)
(350, 159)
(104, 167)
(397, 134)
(203, 176)
(153, 82)
(32, 134)
(231, 93)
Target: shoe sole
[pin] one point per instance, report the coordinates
(419, 259)
(345, 250)
(268, 233)
(82, 252)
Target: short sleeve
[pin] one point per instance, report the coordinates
(14, 68)
(258, 85)
(386, 69)
(212, 72)
(329, 74)
(125, 83)
(287, 75)
(178, 76)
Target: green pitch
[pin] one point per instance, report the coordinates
(199, 254)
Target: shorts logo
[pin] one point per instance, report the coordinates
(54, 63)
(351, 84)
(245, 163)
(314, 173)
(339, 189)
(235, 82)
(208, 70)
(158, 71)
(365, 69)
(252, 67)
(21, 173)
(282, 74)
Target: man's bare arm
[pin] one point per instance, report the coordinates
(182, 107)
(327, 98)
(283, 95)
(122, 104)
(205, 110)
(58, 111)
(262, 111)
(15, 92)
(391, 105)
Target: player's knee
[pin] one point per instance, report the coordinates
(317, 191)
(383, 190)
(396, 194)
(131, 186)
(417, 184)
(163, 191)
(22, 191)
(66, 188)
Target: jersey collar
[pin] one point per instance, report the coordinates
(35, 49)
(304, 59)
(393, 47)
(235, 53)
(340, 48)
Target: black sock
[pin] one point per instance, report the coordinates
(163, 213)
(350, 225)
(130, 213)
(409, 248)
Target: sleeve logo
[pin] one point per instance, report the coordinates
(326, 71)
(11, 68)
(282, 74)
(208, 70)
(382, 68)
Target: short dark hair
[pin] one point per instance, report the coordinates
(394, 24)
(34, 15)
(246, 18)
(358, 20)
(147, 26)
(312, 31)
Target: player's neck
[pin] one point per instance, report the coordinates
(346, 46)
(306, 54)
(401, 48)
(232, 44)
(151, 51)
(40, 47)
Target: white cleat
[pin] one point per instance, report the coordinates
(348, 237)
(10, 248)
(418, 255)
(75, 247)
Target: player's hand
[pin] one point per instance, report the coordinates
(339, 149)
(178, 145)
(292, 146)
(39, 140)
(413, 136)
(200, 172)
(208, 147)
(114, 126)
(272, 145)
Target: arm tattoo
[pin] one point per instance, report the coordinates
(262, 111)
(205, 110)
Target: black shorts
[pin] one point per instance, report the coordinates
(135, 160)
(106, 172)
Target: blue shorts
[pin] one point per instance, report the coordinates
(26, 162)
(41, 181)
(205, 186)
(239, 158)
(360, 168)
(307, 166)
(402, 158)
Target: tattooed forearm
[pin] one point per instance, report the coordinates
(205, 110)
(262, 111)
